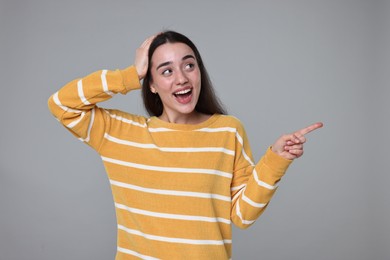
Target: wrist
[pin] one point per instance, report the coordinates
(130, 78)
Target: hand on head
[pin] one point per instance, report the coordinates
(141, 57)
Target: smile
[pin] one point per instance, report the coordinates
(184, 95)
(183, 92)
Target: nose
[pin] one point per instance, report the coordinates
(181, 77)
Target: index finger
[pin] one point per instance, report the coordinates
(148, 41)
(310, 128)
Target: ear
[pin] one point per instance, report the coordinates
(153, 89)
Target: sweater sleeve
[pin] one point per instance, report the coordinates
(253, 185)
(74, 105)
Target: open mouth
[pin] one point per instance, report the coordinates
(184, 92)
(183, 96)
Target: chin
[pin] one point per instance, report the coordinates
(187, 111)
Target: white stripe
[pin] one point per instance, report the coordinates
(81, 92)
(160, 129)
(241, 141)
(249, 160)
(89, 127)
(241, 188)
(75, 122)
(131, 252)
(238, 212)
(171, 216)
(238, 187)
(175, 240)
(65, 108)
(261, 183)
(239, 138)
(125, 120)
(171, 192)
(220, 129)
(237, 194)
(252, 203)
(169, 149)
(167, 169)
(232, 130)
(104, 83)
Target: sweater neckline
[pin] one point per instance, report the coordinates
(156, 122)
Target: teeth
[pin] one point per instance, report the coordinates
(183, 92)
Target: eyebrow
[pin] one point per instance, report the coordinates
(189, 56)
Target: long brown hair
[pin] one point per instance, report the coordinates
(208, 102)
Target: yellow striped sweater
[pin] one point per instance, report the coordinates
(177, 188)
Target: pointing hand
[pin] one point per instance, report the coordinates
(290, 146)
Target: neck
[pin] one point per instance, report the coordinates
(188, 119)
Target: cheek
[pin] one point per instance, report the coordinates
(163, 89)
(198, 82)
(155, 83)
(199, 77)
(162, 85)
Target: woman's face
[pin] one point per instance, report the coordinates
(176, 79)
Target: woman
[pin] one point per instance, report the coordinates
(180, 177)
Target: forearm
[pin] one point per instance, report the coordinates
(81, 95)
(253, 197)
(74, 105)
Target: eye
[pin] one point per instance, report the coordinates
(166, 72)
(190, 66)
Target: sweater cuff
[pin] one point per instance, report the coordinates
(130, 78)
(276, 162)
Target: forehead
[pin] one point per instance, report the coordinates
(171, 52)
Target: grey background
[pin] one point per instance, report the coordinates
(277, 65)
